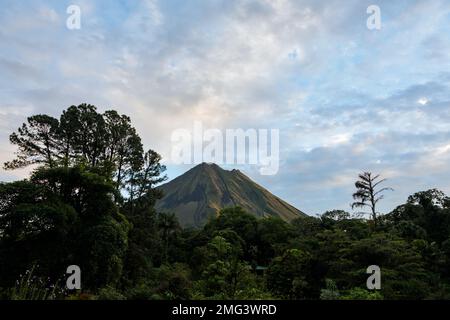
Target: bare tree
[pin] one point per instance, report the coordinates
(366, 194)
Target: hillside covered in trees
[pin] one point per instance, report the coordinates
(90, 201)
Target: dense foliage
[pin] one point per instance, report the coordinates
(90, 202)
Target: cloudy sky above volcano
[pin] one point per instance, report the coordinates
(345, 98)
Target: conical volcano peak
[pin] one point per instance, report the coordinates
(207, 166)
(205, 189)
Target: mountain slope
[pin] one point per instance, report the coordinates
(205, 189)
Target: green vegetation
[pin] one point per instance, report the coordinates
(90, 201)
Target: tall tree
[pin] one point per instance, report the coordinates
(124, 147)
(141, 177)
(62, 216)
(91, 137)
(105, 142)
(367, 194)
(168, 226)
(69, 124)
(37, 142)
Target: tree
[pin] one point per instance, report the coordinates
(241, 222)
(273, 236)
(62, 216)
(107, 143)
(403, 268)
(168, 226)
(288, 275)
(432, 197)
(336, 215)
(91, 168)
(98, 239)
(124, 147)
(225, 276)
(367, 194)
(37, 142)
(35, 226)
(426, 214)
(142, 177)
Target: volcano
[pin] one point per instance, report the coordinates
(203, 191)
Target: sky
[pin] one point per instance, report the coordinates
(345, 98)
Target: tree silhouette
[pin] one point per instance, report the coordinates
(366, 194)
